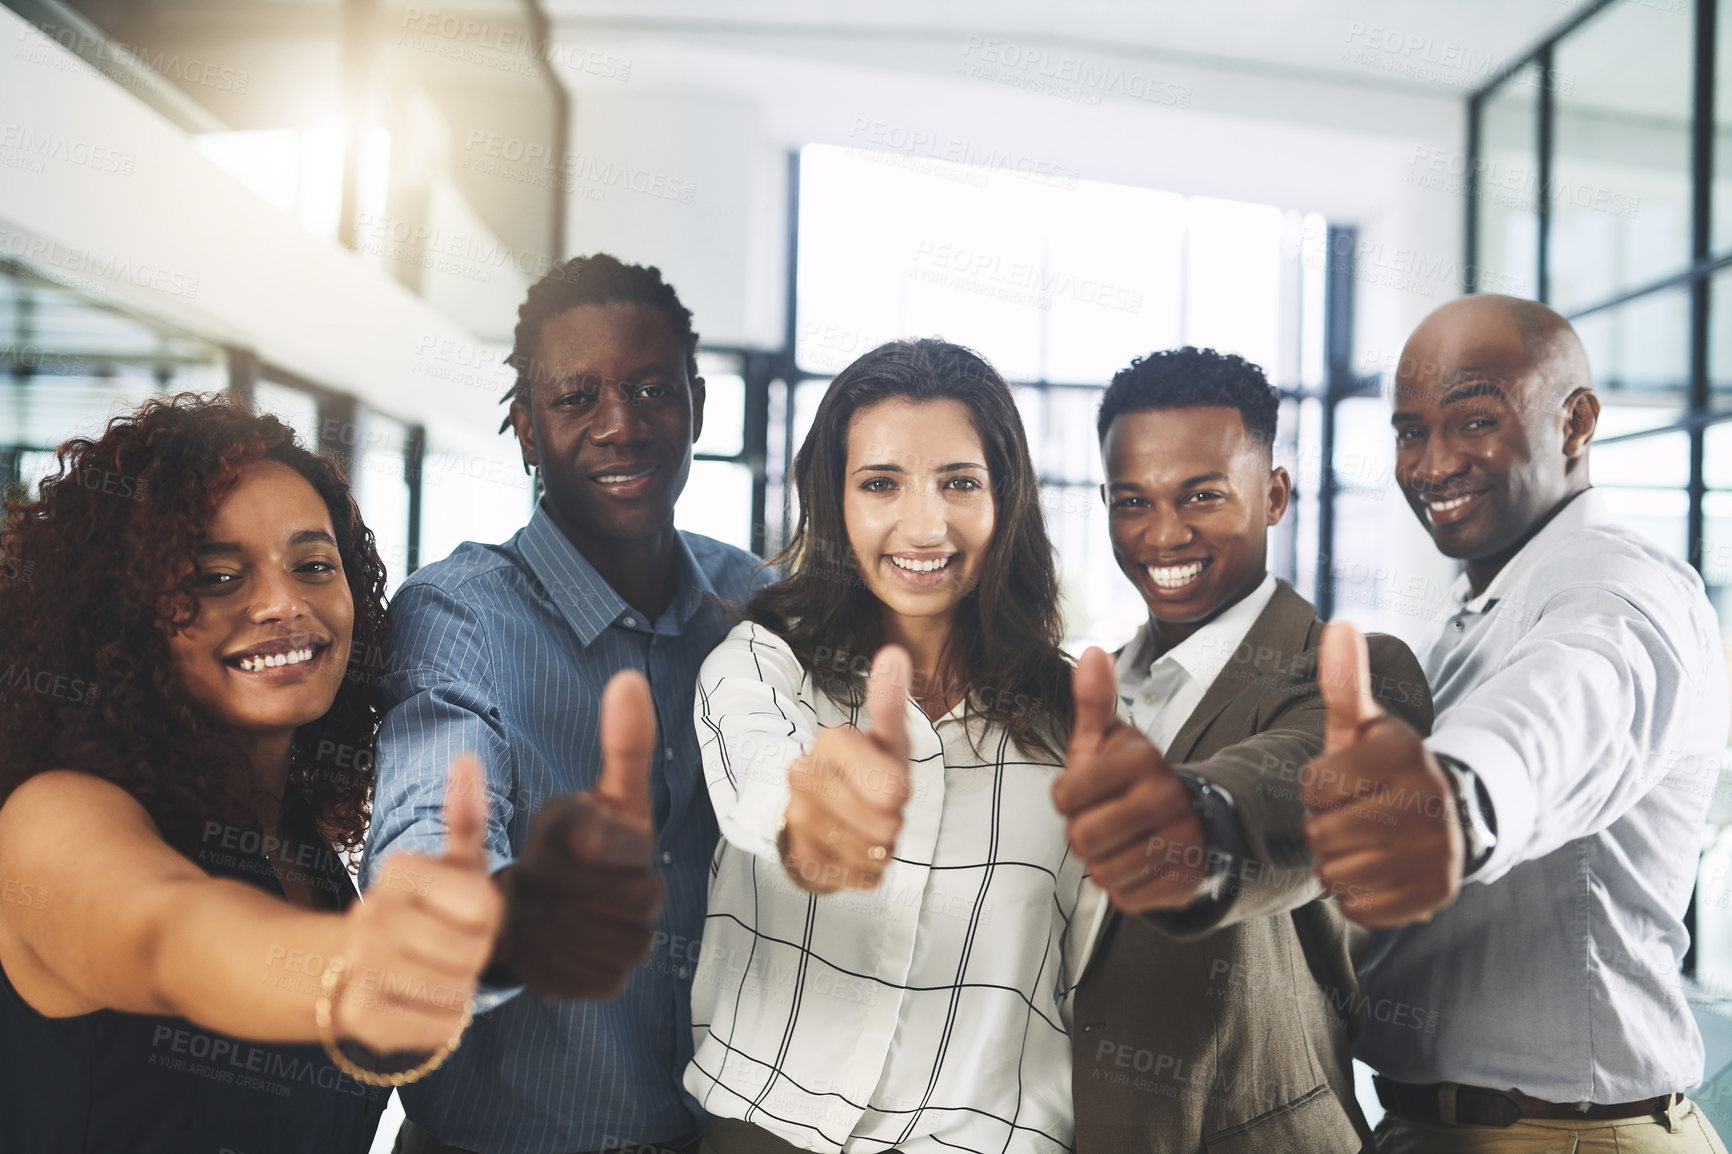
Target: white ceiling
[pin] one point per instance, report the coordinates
(1445, 45)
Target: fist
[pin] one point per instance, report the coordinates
(1382, 824)
(415, 946)
(1130, 819)
(583, 897)
(846, 795)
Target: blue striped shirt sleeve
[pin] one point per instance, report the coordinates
(440, 703)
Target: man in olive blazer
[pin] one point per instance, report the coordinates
(1217, 1007)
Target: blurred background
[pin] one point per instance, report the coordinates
(332, 209)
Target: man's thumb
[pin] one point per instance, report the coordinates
(1095, 689)
(1344, 677)
(466, 813)
(628, 740)
(887, 699)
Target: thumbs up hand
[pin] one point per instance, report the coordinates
(583, 896)
(847, 794)
(1383, 824)
(1131, 819)
(416, 945)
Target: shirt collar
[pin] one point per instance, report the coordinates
(1585, 508)
(1204, 653)
(587, 602)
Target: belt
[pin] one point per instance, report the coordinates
(1453, 1104)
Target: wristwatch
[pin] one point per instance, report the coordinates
(1223, 840)
(1473, 809)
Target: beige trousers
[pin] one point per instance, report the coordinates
(1685, 1131)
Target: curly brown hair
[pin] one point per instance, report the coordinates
(94, 574)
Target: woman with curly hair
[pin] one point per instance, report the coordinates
(189, 617)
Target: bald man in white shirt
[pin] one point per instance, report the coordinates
(1581, 695)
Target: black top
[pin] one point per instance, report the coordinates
(116, 1083)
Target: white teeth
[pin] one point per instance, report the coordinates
(914, 566)
(1174, 576)
(274, 660)
(622, 478)
(1446, 506)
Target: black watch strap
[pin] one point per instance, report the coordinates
(1222, 836)
(1473, 810)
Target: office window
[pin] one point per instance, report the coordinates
(1722, 196)
(1059, 282)
(1639, 352)
(718, 497)
(379, 477)
(69, 362)
(296, 408)
(1620, 191)
(1507, 182)
(1720, 339)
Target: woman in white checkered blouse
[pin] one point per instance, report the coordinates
(884, 962)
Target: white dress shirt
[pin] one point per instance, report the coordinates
(925, 1015)
(1158, 696)
(1586, 688)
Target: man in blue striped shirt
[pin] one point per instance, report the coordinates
(505, 650)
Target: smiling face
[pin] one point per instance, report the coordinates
(611, 421)
(1190, 497)
(268, 648)
(917, 503)
(1485, 440)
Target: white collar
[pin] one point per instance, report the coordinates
(1206, 652)
(1585, 508)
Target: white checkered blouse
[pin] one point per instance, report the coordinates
(926, 1015)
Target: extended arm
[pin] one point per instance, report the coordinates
(127, 923)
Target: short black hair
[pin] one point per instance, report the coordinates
(601, 279)
(1190, 378)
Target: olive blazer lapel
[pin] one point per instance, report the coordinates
(1272, 645)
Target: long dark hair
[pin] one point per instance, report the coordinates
(1005, 642)
(93, 573)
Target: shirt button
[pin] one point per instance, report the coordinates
(667, 858)
(1456, 625)
(670, 752)
(685, 972)
(631, 622)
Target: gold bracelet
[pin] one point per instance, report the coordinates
(328, 983)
